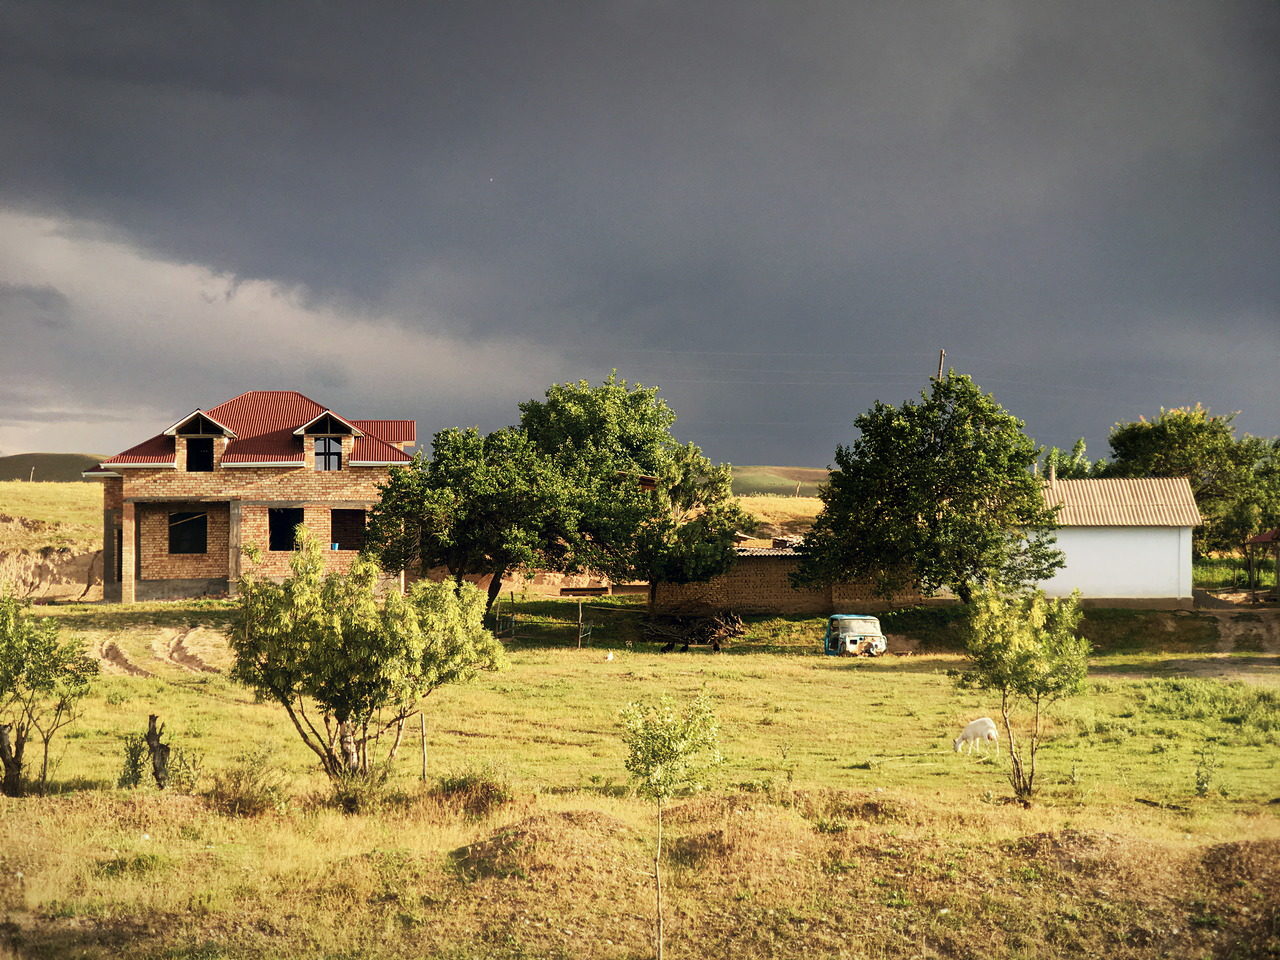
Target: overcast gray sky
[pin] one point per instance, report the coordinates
(776, 211)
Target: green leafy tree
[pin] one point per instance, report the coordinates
(935, 493)
(42, 681)
(350, 663)
(669, 750)
(1074, 465)
(482, 505)
(1025, 647)
(640, 505)
(1190, 442)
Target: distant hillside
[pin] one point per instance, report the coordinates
(778, 481)
(49, 467)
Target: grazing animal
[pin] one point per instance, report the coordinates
(975, 734)
(668, 648)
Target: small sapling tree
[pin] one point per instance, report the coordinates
(669, 750)
(42, 680)
(350, 664)
(1025, 647)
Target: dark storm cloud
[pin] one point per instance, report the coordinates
(800, 202)
(42, 305)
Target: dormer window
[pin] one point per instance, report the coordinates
(199, 454)
(328, 453)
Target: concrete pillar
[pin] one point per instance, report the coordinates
(128, 552)
(233, 548)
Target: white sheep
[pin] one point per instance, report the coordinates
(976, 733)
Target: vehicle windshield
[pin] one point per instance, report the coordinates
(847, 628)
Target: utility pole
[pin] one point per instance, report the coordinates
(942, 359)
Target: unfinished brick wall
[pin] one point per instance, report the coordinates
(761, 585)
(153, 547)
(255, 529)
(303, 483)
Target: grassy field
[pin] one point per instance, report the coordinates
(779, 515)
(45, 467)
(842, 825)
(778, 481)
(57, 515)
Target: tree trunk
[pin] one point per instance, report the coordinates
(347, 744)
(11, 756)
(159, 752)
(965, 593)
(495, 587)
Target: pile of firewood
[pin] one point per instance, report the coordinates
(684, 631)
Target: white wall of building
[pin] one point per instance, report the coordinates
(1124, 562)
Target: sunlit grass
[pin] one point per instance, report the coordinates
(841, 825)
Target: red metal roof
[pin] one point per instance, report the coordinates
(158, 449)
(264, 422)
(1271, 536)
(392, 431)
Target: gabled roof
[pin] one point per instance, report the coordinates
(264, 424)
(1115, 502)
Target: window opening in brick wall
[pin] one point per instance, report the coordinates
(282, 527)
(200, 455)
(188, 532)
(328, 453)
(346, 529)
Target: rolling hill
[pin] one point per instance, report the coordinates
(55, 467)
(778, 481)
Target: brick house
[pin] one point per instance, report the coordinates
(178, 508)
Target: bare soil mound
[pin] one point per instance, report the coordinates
(116, 662)
(570, 846)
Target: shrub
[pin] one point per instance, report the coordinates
(477, 791)
(134, 749)
(253, 785)
(360, 792)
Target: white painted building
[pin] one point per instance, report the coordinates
(1125, 540)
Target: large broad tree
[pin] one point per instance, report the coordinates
(481, 505)
(936, 493)
(351, 663)
(641, 505)
(1190, 442)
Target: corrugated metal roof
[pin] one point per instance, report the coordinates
(264, 421)
(1136, 502)
(392, 431)
(158, 449)
(372, 450)
(765, 551)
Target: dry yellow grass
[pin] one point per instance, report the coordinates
(55, 514)
(842, 825)
(782, 515)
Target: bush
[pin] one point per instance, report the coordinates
(477, 791)
(186, 770)
(135, 761)
(361, 792)
(253, 785)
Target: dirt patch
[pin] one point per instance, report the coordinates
(111, 655)
(53, 573)
(571, 846)
(179, 653)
